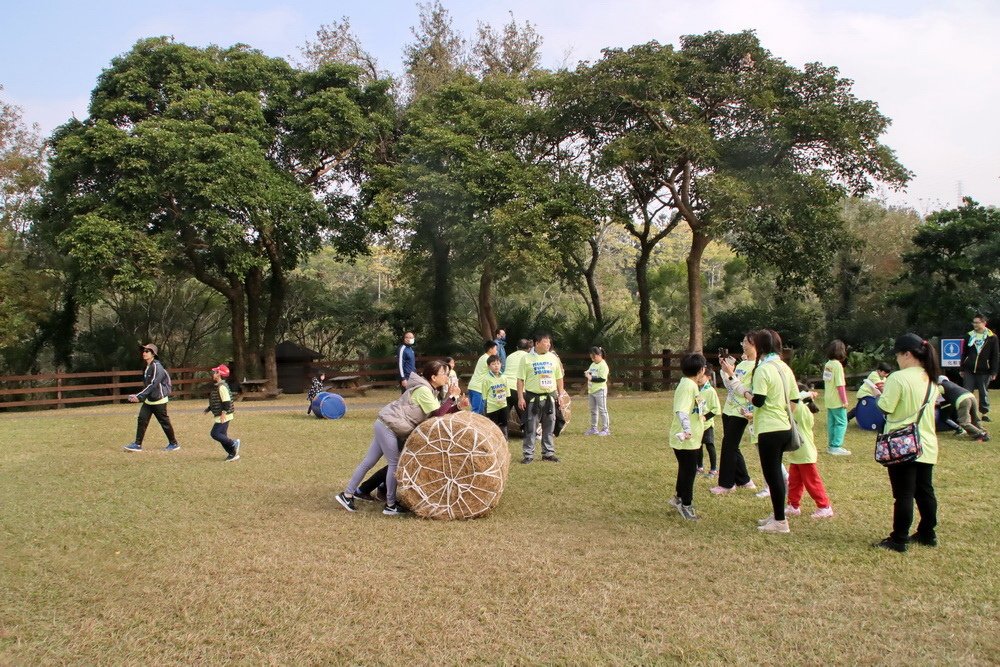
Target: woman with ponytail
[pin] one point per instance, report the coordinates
(905, 393)
(772, 388)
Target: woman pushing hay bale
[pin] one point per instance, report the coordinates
(453, 467)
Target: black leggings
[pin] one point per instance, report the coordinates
(708, 442)
(771, 447)
(913, 481)
(732, 466)
(160, 412)
(687, 470)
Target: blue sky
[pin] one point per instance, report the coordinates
(928, 64)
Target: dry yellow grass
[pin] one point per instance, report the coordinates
(156, 558)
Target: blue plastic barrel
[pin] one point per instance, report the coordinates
(317, 403)
(332, 407)
(868, 416)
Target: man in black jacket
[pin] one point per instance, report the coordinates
(980, 361)
(154, 397)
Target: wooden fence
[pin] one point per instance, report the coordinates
(57, 390)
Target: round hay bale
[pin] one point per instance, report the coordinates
(453, 467)
(514, 421)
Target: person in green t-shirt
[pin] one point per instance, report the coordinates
(476, 399)
(539, 384)
(512, 371)
(872, 386)
(773, 387)
(737, 412)
(686, 429)
(597, 393)
(220, 404)
(496, 391)
(712, 408)
(802, 470)
(908, 398)
(835, 398)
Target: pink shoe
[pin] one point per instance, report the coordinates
(749, 486)
(721, 490)
(590, 431)
(792, 511)
(823, 513)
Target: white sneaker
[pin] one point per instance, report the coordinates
(766, 520)
(823, 513)
(792, 511)
(675, 502)
(837, 451)
(766, 493)
(773, 526)
(749, 486)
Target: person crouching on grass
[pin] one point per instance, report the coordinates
(802, 470)
(220, 404)
(686, 430)
(394, 424)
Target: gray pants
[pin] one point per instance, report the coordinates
(599, 409)
(980, 381)
(539, 408)
(968, 418)
(384, 443)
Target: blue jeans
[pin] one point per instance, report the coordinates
(220, 433)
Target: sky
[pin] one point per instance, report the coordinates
(928, 64)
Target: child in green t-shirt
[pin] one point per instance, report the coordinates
(712, 407)
(597, 393)
(496, 391)
(835, 398)
(803, 473)
(220, 404)
(686, 429)
(872, 386)
(476, 398)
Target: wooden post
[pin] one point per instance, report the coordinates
(115, 391)
(665, 362)
(59, 394)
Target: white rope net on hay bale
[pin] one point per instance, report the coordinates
(453, 467)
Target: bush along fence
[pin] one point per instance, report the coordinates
(632, 371)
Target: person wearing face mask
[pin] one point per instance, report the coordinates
(500, 338)
(406, 360)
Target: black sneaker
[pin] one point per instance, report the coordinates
(363, 495)
(986, 418)
(526, 460)
(394, 510)
(687, 512)
(348, 503)
(959, 431)
(924, 541)
(891, 545)
(551, 459)
(379, 493)
(231, 458)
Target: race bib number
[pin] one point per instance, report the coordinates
(827, 375)
(547, 382)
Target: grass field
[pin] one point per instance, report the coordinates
(157, 558)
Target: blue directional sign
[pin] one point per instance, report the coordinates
(951, 352)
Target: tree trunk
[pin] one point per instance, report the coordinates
(275, 305)
(645, 325)
(487, 318)
(696, 330)
(440, 297)
(590, 275)
(237, 318)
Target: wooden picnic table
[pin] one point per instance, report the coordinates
(254, 390)
(349, 385)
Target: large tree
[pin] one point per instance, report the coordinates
(953, 271)
(727, 139)
(223, 164)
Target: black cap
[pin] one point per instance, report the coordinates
(909, 342)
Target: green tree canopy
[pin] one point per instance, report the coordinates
(220, 163)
